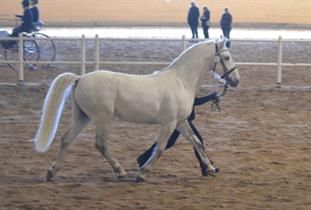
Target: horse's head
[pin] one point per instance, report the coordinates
(230, 72)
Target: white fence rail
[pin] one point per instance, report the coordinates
(83, 62)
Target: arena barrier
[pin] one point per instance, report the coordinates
(83, 62)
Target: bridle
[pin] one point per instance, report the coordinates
(227, 71)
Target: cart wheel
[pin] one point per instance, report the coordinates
(31, 53)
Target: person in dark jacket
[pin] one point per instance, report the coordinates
(35, 11)
(143, 158)
(193, 19)
(205, 20)
(26, 25)
(225, 23)
(37, 24)
(26, 18)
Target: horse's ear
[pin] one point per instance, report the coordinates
(225, 42)
(221, 43)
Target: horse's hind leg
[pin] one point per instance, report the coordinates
(185, 129)
(79, 121)
(101, 145)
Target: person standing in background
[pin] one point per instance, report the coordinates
(193, 19)
(205, 20)
(35, 10)
(35, 14)
(225, 23)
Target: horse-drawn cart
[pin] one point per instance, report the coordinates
(36, 46)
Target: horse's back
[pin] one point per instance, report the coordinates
(135, 98)
(125, 96)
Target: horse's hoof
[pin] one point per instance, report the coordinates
(141, 178)
(122, 175)
(212, 172)
(49, 176)
(120, 172)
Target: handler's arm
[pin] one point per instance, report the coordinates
(202, 100)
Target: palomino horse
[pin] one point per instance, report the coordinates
(165, 97)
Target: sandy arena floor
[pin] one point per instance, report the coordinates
(260, 140)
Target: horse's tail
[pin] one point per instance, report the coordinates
(59, 91)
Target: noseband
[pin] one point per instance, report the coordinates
(226, 71)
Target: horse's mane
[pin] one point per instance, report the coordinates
(177, 61)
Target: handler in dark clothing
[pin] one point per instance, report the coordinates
(143, 158)
(225, 23)
(205, 20)
(26, 20)
(193, 19)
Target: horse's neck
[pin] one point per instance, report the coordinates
(191, 66)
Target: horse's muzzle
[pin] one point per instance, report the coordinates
(233, 83)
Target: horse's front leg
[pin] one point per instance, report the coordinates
(165, 133)
(185, 129)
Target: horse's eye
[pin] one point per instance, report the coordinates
(226, 58)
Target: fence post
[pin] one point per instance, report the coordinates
(20, 58)
(280, 58)
(83, 55)
(184, 47)
(96, 52)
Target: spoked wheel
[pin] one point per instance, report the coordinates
(46, 46)
(31, 53)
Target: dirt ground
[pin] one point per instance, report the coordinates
(260, 140)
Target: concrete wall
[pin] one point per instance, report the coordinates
(148, 12)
